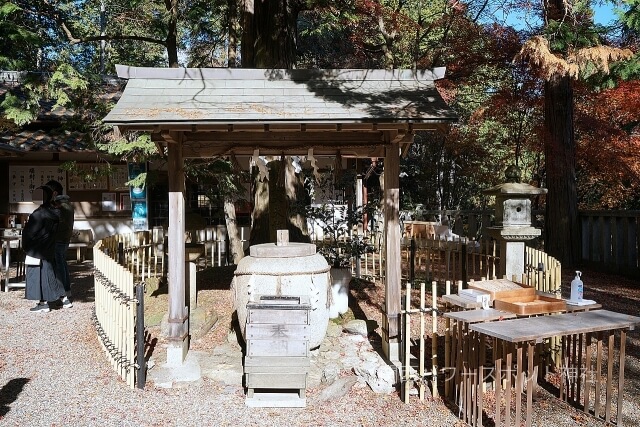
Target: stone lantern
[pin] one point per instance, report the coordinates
(513, 221)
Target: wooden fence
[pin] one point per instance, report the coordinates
(115, 311)
(122, 263)
(611, 240)
(436, 259)
(420, 339)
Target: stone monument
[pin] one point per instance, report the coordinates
(512, 225)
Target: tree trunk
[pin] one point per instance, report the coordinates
(236, 248)
(269, 41)
(278, 203)
(260, 213)
(248, 38)
(275, 31)
(297, 196)
(232, 17)
(172, 33)
(562, 229)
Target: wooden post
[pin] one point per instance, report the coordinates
(434, 339)
(623, 342)
(392, 249)
(407, 345)
(447, 345)
(178, 312)
(596, 403)
(609, 389)
(588, 373)
(421, 356)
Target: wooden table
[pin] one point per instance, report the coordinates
(524, 337)
(464, 346)
(6, 246)
(459, 302)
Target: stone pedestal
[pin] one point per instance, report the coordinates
(511, 240)
(340, 279)
(512, 263)
(177, 352)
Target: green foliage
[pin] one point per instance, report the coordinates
(134, 148)
(630, 16)
(204, 30)
(218, 178)
(63, 80)
(564, 38)
(21, 111)
(342, 243)
(19, 36)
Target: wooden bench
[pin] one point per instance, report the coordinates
(81, 240)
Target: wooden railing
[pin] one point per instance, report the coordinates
(122, 263)
(136, 253)
(542, 271)
(435, 259)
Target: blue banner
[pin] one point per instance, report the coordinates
(139, 211)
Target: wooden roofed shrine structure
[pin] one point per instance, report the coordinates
(199, 113)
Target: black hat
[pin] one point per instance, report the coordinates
(55, 186)
(47, 192)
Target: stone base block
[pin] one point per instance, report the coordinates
(275, 400)
(177, 352)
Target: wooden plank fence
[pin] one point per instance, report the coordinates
(611, 240)
(436, 259)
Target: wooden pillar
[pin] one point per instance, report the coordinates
(178, 312)
(392, 251)
(362, 226)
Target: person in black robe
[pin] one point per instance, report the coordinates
(38, 243)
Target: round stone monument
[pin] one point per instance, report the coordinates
(285, 269)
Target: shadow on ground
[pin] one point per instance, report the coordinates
(82, 286)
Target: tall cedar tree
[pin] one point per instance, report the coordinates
(574, 51)
(269, 41)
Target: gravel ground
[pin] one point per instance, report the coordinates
(54, 373)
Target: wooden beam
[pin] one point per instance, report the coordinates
(405, 144)
(160, 147)
(172, 136)
(442, 127)
(401, 137)
(284, 137)
(212, 151)
(432, 125)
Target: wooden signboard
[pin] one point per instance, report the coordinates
(79, 182)
(24, 179)
(119, 176)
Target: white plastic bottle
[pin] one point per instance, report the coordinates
(577, 288)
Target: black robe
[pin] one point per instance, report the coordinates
(38, 241)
